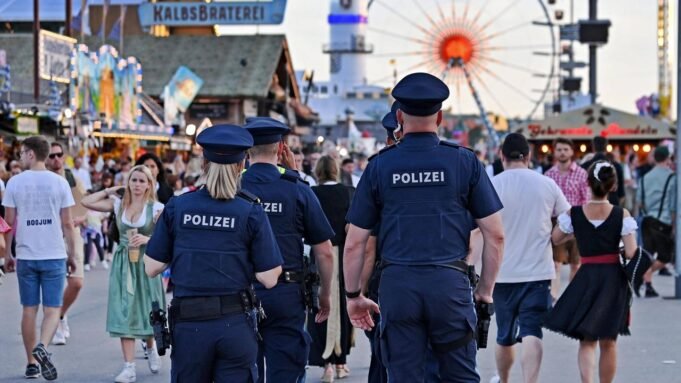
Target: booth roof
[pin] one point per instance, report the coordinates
(597, 120)
(230, 66)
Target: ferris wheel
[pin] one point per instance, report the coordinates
(506, 48)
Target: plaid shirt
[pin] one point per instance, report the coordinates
(573, 183)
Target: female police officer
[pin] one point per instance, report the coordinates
(215, 239)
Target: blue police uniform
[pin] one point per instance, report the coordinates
(422, 191)
(294, 213)
(214, 248)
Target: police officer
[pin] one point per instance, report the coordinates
(377, 371)
(421, 191)
(215, 239)
(295, 213)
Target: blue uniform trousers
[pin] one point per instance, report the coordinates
(377, 371)
(285, 345)
(422, 305)
(222, 350)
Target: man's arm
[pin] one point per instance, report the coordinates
(353, 256)
(492, 230)
(69, 234)
(153, 267)
(323, 252)
(369, 262)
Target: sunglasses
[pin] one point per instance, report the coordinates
(55, 155)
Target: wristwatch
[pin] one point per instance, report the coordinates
(353, 294)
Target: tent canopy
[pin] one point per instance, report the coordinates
(597, 120)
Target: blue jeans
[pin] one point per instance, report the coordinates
(46, 275)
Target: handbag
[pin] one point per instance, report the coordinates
(651, 222)
(113, 233)
(637, 266)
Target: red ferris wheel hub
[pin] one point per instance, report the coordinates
(456, 46)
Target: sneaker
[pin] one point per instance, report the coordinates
(59, 338)
(495, 379)
(127, 375)
(105, 264)
(65, 327)
(154, 360)
(665, 272)
(86, 268)
(650, 292)
(47, 369)
(32, 371)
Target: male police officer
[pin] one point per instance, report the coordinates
(215, 239)
(295, 213)
(421, 191)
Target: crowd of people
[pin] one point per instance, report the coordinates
(568, 212)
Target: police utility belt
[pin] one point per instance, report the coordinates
(459, 265)
(191, 309)
(292, 277)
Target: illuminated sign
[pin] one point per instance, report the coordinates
(55, 56)
(614, 129)
(218, 13)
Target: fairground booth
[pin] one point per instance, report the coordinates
(625, 132)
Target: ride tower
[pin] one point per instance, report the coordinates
(348, 47)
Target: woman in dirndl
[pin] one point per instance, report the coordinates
(594, 308)
(131, 291)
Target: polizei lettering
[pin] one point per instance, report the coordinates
(38, 222)
(273, 207)
(208, 221)
(419, 178)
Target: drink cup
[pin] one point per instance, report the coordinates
(133, 251)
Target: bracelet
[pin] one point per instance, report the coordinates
(353, 294)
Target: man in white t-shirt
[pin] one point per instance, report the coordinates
(522, 294)
(38, 207)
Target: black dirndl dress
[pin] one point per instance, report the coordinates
(595, 305)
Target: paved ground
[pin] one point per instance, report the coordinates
(651, 355)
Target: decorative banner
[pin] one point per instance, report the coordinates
(55, 55)
(183, 87)
(105, 87)
(209, 14)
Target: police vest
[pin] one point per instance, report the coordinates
(279, 199)
(211, 254)
(423, 187)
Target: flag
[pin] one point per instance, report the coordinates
(116, 31)
(77, 22)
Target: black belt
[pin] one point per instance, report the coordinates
(205, 308)
(459, 265)
(292, 277)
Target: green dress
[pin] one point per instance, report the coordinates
(131, 291)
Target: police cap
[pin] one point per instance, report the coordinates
(420, 94)
(266, 130)
(224, 144)
(390, 119)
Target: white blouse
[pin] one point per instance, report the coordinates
(142, 218)
(629, 225)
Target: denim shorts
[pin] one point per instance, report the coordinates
(520, 309)
(46, 275)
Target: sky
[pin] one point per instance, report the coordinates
(627, 65)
